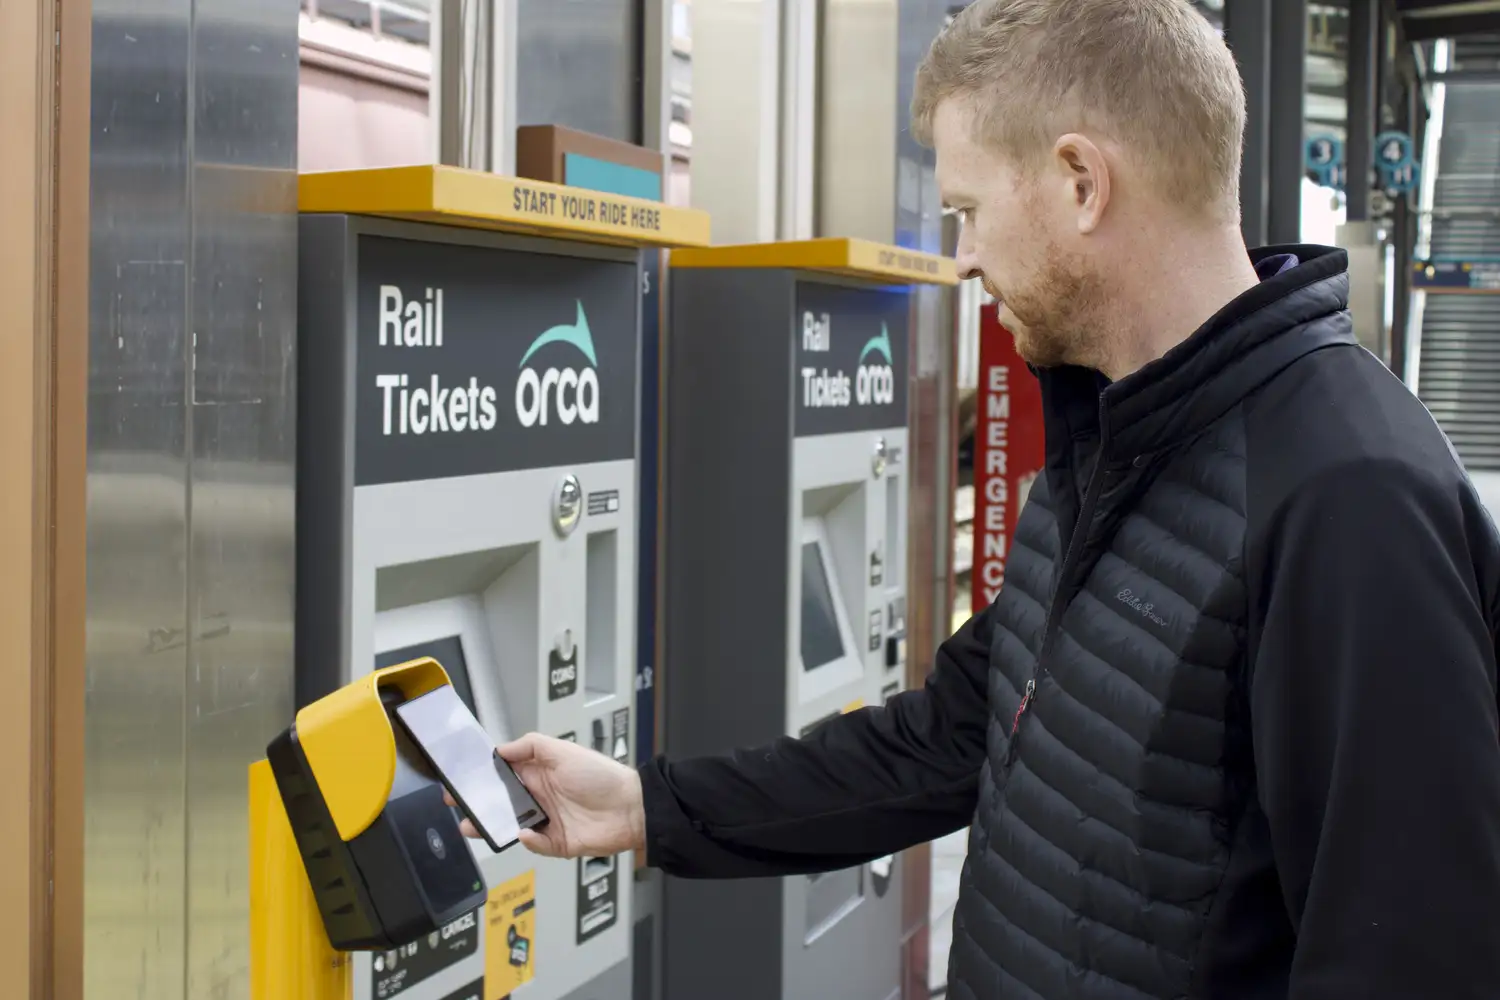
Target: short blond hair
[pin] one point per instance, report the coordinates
(1151, 74)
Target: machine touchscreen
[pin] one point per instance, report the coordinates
(457, 748)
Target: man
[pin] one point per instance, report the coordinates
(1230, 729)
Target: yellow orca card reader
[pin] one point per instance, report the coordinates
(384, 856)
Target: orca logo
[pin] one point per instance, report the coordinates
(875, 382)
(570, 394)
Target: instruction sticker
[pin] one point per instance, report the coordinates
(619, 723)
(604, 502)
(510, 936)
(399, 969)
(562, 674)
(598, 889)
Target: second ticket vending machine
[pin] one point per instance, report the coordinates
(785, 576)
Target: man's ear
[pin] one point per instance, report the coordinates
(1083, 174)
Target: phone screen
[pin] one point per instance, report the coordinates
(465, 759)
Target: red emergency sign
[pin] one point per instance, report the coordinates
(1009, 452)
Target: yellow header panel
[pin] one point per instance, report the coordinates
(856, 258)
(479, 200)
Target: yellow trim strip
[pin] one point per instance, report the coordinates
(834, 255)
(290, 957)
(478, 200)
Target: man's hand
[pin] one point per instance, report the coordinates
(593, 804)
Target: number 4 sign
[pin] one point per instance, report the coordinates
(1395, 164)
(1392, 150)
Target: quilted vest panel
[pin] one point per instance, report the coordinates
(1097, 843)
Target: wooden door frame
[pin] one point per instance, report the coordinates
(44, 254)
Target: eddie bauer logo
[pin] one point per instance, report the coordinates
(410, 407)
(874, 382)
(1127, 597)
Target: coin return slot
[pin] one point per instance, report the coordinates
(596, 868)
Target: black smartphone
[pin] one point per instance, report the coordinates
(456, 747)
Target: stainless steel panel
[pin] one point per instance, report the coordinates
(1367, 265)
(242, 289)
(135, 925)
(190, 430)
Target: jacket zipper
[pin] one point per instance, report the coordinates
(1070, 560)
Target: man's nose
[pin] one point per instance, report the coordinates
(968, 264)
(965, 259)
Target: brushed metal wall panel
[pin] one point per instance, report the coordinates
(135, 922)
(242, 289)
(192, 327)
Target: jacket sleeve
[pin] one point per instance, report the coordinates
(860, 786)
(1373, 716)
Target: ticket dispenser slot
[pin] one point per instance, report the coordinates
(785, 576)
(468, 368)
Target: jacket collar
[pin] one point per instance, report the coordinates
(1181, 393)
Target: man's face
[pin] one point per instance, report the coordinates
(1021, 237)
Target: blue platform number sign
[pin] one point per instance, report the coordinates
(1323, 157)
(1395, 162)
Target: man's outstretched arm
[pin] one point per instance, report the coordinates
(1375, 734)
(860, 786)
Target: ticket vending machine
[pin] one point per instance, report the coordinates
(466, 491)
(785, 576)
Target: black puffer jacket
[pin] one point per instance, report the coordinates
(1230, 729)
